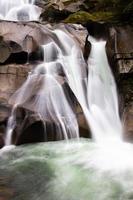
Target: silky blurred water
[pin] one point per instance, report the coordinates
(62, 171)
(19, 10)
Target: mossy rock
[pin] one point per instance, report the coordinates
(104, 16)
(79, 17)
(82, 16)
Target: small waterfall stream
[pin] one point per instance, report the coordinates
(102, 97)
(22, 10)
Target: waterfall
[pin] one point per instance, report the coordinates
(96, 93)
(19, 10)
(10, 127)
(43, 92)
(104, 117)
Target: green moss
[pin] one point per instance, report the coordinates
(104, 16)
(80, 17)
(83, 16)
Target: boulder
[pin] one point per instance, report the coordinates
(54, 15)
(29, 127)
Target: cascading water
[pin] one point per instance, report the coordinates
(44, 94)
(96, 93)
(19, 10)
(104, 117)
(79, 170)
(10, 127)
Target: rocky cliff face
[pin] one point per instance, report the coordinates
(79, 11)
(20, 44)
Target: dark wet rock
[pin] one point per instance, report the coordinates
(36, 56)
(5, 110)
(54, 15)
(14, 47)
(97, 30)
(17, 58)
(1, 141)
(126, 92)
(84, 130)
(29, 127)
(5, 51)
(124, 36)
(124, 48)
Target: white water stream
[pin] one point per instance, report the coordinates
(102, 97)
(19, 10)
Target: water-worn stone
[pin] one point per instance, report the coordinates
(11, 77)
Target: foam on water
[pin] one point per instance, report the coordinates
(63, 171)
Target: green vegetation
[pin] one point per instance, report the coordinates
(82, 16)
